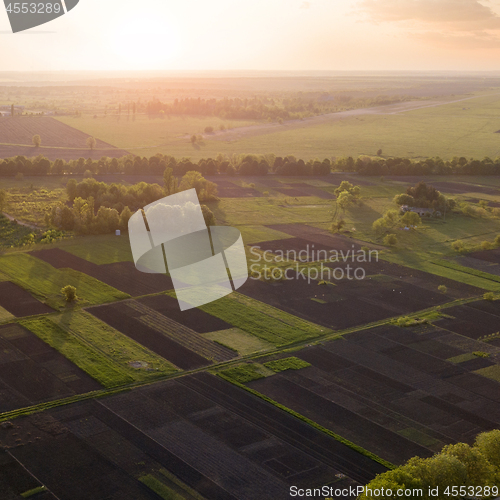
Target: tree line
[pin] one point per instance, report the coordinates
(98, 208)
(269, 108)
(248, 165)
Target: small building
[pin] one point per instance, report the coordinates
(423, 212)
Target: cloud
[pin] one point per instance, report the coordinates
(305, 5)
(453, 15)
(468, 41)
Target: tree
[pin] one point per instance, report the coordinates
(411, 219)
(3, 199)
(355, 191)
(479, 470)
(390, 240)
(125, 215)
(169, 182)
(345, 200)
(193, 139)
(206, 190)
(489, 445)
(12, 110)
(379, 152)
(69, 293)
(71, 189)
(91, 143)
(37, 141)
(208, 216)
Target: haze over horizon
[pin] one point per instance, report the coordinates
(273, 35)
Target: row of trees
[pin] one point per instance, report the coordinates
(365, 165)
(246, 164)
(458, 466)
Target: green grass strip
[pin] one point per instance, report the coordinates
(45, 282)
(159, 488)
(466, 270)
(243, 373)
(98, 366)
(275, 329)
(281, 365)
(338, 438)
(33, 492)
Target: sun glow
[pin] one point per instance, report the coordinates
(144, 42)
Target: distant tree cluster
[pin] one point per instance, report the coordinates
(459, 466)
(98, 208)
(424, 196)
(271, 108)
(366, 165)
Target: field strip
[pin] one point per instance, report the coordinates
(285, 349)
(446, 272)
(467, 270)
(324, 430)
(181, 334)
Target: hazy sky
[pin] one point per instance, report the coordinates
(261, 35)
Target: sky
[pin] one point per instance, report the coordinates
(268, 35)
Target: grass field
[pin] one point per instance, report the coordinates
(45, 282)
(239, 340)
(99, 249)
(119, 348)
(146, 137)
(5, 315)
(457, 129)
(265, 322)
(96, 364)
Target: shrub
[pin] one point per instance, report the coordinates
(458, 246)
(69, 293)
(390, 240)
(486, 245)
(443, 288)
(209, 130)
(37, 141)
(19, 176)
(489, 296)
(481, 354)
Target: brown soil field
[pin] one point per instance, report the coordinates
(388, 290)
(487, 255)
(19, 302)
(122, 275)
(214, 437)
(32, 372)
(471, 322)
(127, 320)
(197, 320)
(58, 140)
(390, 390)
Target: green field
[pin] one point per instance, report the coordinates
(265, 322)
(5, 315)
(146, 137)
(465, 128)
(91, 361)
(116, 346)
(45, 282)
(239, 340)
(99, 249)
